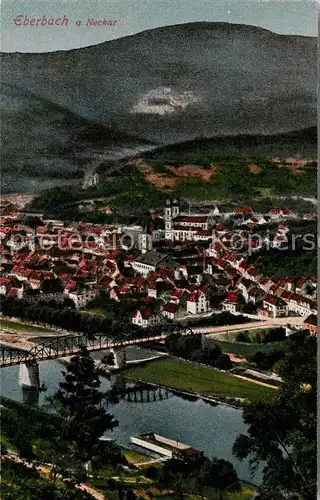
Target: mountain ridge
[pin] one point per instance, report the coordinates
(241, 79)
(258, 29)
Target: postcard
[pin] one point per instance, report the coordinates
(158, 234)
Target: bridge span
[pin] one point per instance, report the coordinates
(72, 344)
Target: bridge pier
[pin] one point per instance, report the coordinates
(29, 375)
(120, 357)
(120, 383)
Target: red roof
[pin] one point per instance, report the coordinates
(275, 301)
(70, 286)
(5, 281)
(242, 210)
(152, 286)
(195, 295)
(286, 295)
(216, 245)
(204, 232)
(171, 307)
(263, 280)
(193, 218)
(232, 297)
(275, 211)
(177, 293)
(145, 313)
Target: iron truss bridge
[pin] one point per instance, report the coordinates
(72, 345)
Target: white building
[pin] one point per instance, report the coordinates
(82, 298)
(197, 302)
(147, 262)
(145, 317)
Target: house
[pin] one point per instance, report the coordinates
(148, 262)
(311, 323)
(197, 302)
(302, 305)
(278, 241)
(196, 221)
(145, 317)
(276, 306)
(255, 295)
(215, 249)
(231, 302)
(243, 210)
(153, 290)
(265, 283)
(5, 285)
(170, 310)
(245, 285)
(82, 297)
(178, 295)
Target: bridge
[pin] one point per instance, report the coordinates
(72, 345)
(64, 346)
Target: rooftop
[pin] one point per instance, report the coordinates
(150, 258)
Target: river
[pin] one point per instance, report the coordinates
(212, 429)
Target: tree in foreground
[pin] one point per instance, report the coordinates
(197, 474)
(79, 403)
(282, 432)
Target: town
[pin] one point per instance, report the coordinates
(179, 265)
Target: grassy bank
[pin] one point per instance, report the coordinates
(16, 326)
(188, 377)
(243, 349)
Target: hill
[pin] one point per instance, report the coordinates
(298, 143)
(224, 79)
(46, 145)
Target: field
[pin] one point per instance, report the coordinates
(184, 376)
(134, 457)
(16, 326)
(242, 349)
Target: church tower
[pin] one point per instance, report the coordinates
(175, 207)
(172, 211)
(146, 238)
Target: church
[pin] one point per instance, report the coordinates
(186, 227)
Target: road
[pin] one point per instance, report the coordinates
(269, 323)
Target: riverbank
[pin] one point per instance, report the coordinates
(197, 381)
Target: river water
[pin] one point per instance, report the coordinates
(212, 429)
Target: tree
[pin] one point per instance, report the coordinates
(243, 337)
(224, 362)
(79, 403)
(108, 359)
(282, 432)
(52, 285)
(131, 495)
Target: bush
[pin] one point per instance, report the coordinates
(131, 495)
(224, 362)
(274, 335)
(111, 484)
(151, 472)
(266, 361)
(243, 337)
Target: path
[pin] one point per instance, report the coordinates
(268, 323)
(248, 379)
(45, 470)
